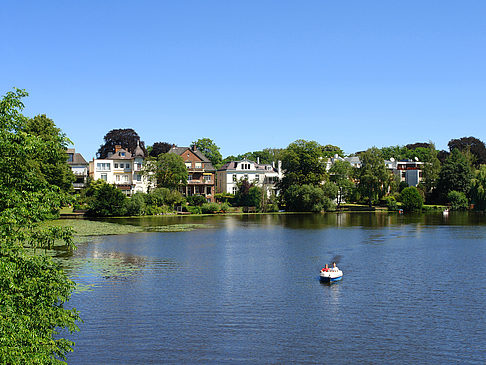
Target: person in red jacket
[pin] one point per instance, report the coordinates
(325, 268)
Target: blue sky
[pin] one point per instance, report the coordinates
(251, 74)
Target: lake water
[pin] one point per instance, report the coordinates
(245, 289)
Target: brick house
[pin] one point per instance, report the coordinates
(201, 173)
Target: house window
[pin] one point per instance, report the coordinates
(70, 157)
(116, 166)
(207, 177)
(122, 166)
(245, 176)
(103, 177)
(125, 178)
(208, 190)
(235, 178)
(257, 177)
(235, 189)
(117, 178)
(188, 165)
(122, 154)
(189, 177)
(103, 166)
(127, 165)
(139, 177)
(198, 165)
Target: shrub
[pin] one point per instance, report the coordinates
(107, 201)
(194, 210)
(225, 207)
(136, 204)
(196, 200)
(306, 198)
(390, 202)
(208, 208)
(164, 196)
(411, 199)
(458, 200)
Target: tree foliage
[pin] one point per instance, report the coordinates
(330, 151)
(455, 174)
(168, 170)
(306, 198)
(457, 200)
(303, 164)
(127, 138)
(411, 199)
(340, 174)
(431, 169)
(210, 150)
(372, 175)
(159, 148)
(107, 201)
(470, 145)
(51, 163)
(478, 188)
(33, 290)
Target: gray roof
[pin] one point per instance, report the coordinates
(138, 151)
(117, 155)
(78, 159)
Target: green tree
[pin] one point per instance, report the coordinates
(168, 171)
(455, 175)
(457, 200)
(210, 150)
(107, 201)
(372, 175)
(33, 290)
(303, 164)
(411, 199)
(340, 174)
(306, 198)
(52, 162)
(330, 151)
(478, 188)
(431, 169)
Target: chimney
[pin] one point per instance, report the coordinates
(258, 160)
(279, 169)
(117, 148)
(273, 164)
(193, 147)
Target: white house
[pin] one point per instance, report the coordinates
(123, 169)
(263, 175)
(409, 171)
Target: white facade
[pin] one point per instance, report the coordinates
(260, 174)
(407, 170)
(121, 169)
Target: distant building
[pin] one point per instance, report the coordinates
(409, 171)
(262, 175)
(79, 167)
(201, 173)
(122, 168)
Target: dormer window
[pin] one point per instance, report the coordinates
(122, 154)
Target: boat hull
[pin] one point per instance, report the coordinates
(327, 279)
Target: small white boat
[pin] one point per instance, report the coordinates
(331, 275)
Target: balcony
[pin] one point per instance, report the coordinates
(200, 182)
